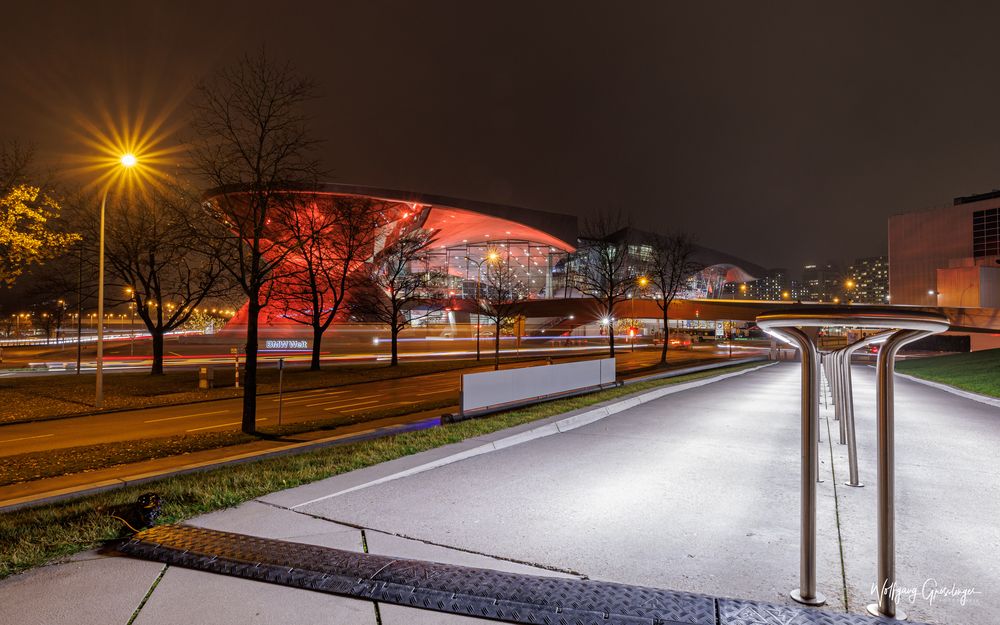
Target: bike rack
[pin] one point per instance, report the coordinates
(903, 327)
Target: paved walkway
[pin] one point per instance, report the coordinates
(696, 491)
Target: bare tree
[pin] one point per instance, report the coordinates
(160, 259)
(330, 243)
(501, 300)
(604, 270)
(253, 144)
(390, 290)
(670, 266)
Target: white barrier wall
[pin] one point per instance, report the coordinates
(495, 388)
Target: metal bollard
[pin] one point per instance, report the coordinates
(848, 423)
(844, 370)
(806, 592)
(206, 378)
(903, 326)
(886, 579)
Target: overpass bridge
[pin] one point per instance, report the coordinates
(579, 311)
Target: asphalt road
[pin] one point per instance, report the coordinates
(213, 416)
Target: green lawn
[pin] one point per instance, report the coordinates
(978, 372)
(32, 536)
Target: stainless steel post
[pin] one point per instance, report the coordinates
(852, 443)
(818, 431)
(822, 360)
(886, 579)
(806, 592)
(832, 376)
(843, 370)
(848, 422)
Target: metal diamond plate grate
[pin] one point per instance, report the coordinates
(733, 612)
(470, 591)
(482, 593)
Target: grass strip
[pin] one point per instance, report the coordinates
(32, 536)
(978, 372)
(39, 465)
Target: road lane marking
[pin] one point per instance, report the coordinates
(222, 425)
(25, 438)
(289, 398)
(187, 416)
(370, 401)
(336, 401)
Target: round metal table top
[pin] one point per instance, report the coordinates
(853, 316)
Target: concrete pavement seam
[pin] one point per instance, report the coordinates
(149, 593)
(983, 399)
(364, 529)
(836, 510)
(547, 429)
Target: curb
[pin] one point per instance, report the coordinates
(983, 399)
(583, 417)
(205, 465)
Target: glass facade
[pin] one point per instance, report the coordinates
(539, 270)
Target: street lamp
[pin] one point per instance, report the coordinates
(128, 160)
(492, 256)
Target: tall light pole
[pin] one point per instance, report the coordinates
(127, 161)
(491, 256)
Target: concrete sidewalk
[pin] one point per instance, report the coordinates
(695, 491)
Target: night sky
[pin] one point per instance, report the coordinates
(780, 132)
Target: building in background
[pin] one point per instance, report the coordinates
(538, 248)
(947, 256)
(772, 286)
(868, 281)
(822, 282)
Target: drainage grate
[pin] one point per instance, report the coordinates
(482, 593)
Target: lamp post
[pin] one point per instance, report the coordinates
(127, 161)
(131, 327)
(491, 256)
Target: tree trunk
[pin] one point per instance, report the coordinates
(317, 344)
(496, 347)
(250, 377)
(666, 336)
(157, 336)
(395, 346)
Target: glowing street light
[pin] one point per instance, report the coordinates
(128, 161)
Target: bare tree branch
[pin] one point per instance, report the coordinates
(253, 145)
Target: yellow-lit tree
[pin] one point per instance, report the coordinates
(27, 236)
